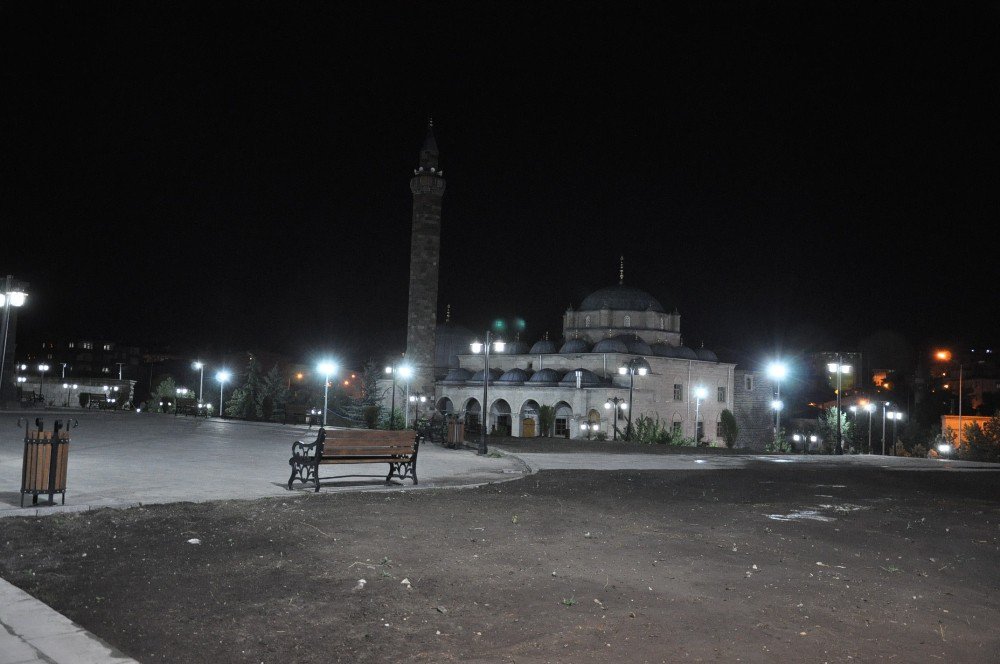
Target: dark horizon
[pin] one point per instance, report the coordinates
(791, 178)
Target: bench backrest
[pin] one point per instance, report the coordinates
(373, 442)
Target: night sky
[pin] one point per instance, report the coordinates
(224, 177)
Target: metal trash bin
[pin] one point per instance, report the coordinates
(456, 432)
(46, 457)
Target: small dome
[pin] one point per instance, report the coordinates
(514, 375)
(663, 350)
(635, 344)
(685, 353)
(545, 376)
(575, 346)
(478, 376)
(543, 346)
(458, 375)
(706, 355)
(587, 378)
(610, 346)
(621, 298)
(516, 348)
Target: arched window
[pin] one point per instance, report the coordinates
(628, 321)
(586, 322)
(662, 323)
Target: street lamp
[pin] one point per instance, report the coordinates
(222, 377)
(777, 371)
(42, 368)
(699, 394)
(392, 412)
(327, 368)
(840, 369)
(895, 416)
(498, 346)
(67, 386)
(406, 373)
(870, 407)
(200, 366)
(416, 400)
(589, 428)
(11, 296)
(636, 365)
(181, 392)
(618, 404)
(945, 356)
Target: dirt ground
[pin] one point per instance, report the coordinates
(770, 563)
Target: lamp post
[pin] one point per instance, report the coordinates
(699, 394)
(392, 412)
(498, 346)
(200, 366)
(895, 416)
(327, 368)
(946, 356)
(840, 369)
(885, 405)
(618, 404)
(12, 296)
(636, 365)
(406, 373)
(777, 371)
(870, 407)
(67, 386)
(222, 377)
(42, 368)
(416, 400)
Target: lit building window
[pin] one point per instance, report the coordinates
(628, 321)
(107, 346)
(586, 322)
(86, 345)
(105, 370)
(72, 344)
(722, 395)
(678, 392)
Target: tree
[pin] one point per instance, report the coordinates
(828, 428)
(165, 392)
(730, 429)
(546, 420)
(982, 443)
(357, 408)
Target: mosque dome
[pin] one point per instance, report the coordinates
(458, 375)
(706, 355)
(545, 376)
(621, 298)
(587, 378)
(543, 346)
(635, 344)
(663, 350)
(450, 341)
(610, 346)
(516, 348)
(514, 375)
(478, 376)
(575, 346)
(685, 353)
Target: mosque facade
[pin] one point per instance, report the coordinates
(617, 326)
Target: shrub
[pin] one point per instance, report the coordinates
(84, 399)
(546, 420)
(370, 414)
(730, 430)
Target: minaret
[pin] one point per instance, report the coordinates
(427, 185)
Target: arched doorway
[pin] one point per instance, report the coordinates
(500, 418)
(529, 419)
(473, 413)
(564, 417)
(445, 406)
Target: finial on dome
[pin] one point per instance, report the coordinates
(546, 335)
(430, 122)
(447, 314)
(621, 270)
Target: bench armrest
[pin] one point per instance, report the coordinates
(303, 449)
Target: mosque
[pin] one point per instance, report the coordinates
(622, 353)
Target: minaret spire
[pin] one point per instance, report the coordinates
(429, 152)
(621, 270)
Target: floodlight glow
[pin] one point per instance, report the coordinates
(944, 448)
(642, 371)
(498, 346)
(943, 355)
(814, 438)
(406, 371)
(326, 367)
(43, 367)
(607, 405)
(700, 392)
(623, 370)
(777, 370)
(223, 376)
(624, 406)
(796, 437)
(776, 404)
(477, 347)
(870, 407)
(388, 370)
(198, 365)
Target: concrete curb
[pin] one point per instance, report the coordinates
(32, 632)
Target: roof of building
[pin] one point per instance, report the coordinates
(621, 298)
(707, 355)
(685, 353)
(661, 349)
(610, 346)
(478, 376)
(458, 374)
(635, 344)
(543, 346)
(575, 346)
(545, 376)
(514, 375)
(516, 347)
(587, 378)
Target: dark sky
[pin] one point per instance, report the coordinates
(217, 176)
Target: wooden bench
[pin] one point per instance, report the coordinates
(189, 407)
(335, 446)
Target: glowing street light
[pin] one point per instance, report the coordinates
(42, 368)
(619, 404)
(777, 371)
(895, 416)
(406, 373)
(200, 366)
(944, 355)
(12, 295)
(635, 366)
(222, 376)
(477, 347)
(327, 368)
(699, 393)
(840, 369)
